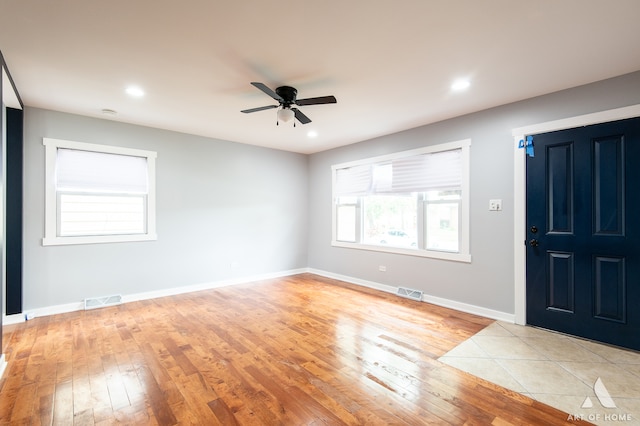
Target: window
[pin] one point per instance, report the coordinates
(98, 193)
(413, 202)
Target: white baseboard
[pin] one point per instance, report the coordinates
(365, 283)
(53, 310)
(12, 319)
(446, 303)
(71, 307)
(470, 309)
(3, 365)
(208, 286)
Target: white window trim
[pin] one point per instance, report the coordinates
(50, 223)
(464, 255)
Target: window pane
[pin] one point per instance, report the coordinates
(442, 226)
(82, 214)
(346, 223)
(390, 220)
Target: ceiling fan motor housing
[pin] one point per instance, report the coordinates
(288, 95)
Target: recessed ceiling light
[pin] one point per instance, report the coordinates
(135, 91)
(460, 85)
(312, 134)
(108, 111)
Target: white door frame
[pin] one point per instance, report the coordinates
(519, 192)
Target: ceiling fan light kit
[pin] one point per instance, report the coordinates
(285, 115)
(286, 97)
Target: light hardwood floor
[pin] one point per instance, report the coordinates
(301, 350)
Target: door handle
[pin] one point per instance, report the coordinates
(534, 243)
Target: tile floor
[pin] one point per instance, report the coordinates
(556, 369)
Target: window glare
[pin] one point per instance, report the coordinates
(346, 223)
(442, 226)
(390, 220)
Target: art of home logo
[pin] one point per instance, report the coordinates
(603, 396)
(606, 401)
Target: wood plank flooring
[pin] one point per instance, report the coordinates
(301, 350)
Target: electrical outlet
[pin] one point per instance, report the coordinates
(495, 205)
(382, 268)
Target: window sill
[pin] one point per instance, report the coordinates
(456, 257)
(98, 239)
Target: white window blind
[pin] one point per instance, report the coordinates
(382, 178)
(426, 172)
(354, 180)
(78, 170)
(414, 173)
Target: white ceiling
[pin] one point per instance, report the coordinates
(390, 64)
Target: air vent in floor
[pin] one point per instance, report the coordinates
(99, 302)
(410, 293)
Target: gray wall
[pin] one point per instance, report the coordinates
(218, 204)
(488, 280)
(267, 211)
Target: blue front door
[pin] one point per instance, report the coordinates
(583, 232)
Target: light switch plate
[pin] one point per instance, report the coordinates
(495, 205)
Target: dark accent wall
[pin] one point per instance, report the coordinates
(12, 215)
(13, 234)
(1, 163)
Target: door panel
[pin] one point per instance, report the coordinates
(610, 301)
(583, 248)
(608, 186)
(560, 187)
(560, 281)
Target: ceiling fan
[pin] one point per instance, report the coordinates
(286, 97)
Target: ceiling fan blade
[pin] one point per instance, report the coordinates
(268, 91)
(317, 101)
(300, 116)
(246, 111)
